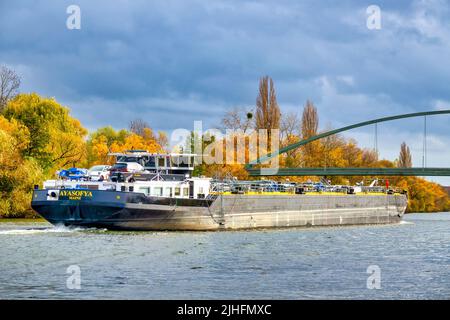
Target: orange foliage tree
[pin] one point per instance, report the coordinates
(107, 140)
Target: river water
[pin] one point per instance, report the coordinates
(410, 260)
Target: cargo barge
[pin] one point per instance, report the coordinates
(168, 200)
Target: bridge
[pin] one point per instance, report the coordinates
(327, 171)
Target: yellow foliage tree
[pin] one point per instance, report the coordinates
(17, 174)
(56, 138)
(424, 196)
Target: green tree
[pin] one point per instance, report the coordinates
(56, 138)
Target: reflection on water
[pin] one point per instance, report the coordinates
(413, 257)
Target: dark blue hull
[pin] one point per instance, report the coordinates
(115, 210)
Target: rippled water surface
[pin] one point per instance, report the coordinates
(413, 257)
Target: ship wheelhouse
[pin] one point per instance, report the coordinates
(173, 163)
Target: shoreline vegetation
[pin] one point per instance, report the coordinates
(23, 220)
(39, 136)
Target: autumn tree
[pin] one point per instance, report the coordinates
(369, 158)
(163, 140)
(137, 142)
(404, 159)
(423, 195)
(289, 126)
(289, 134)
(107, 140)
(310, 120)
(109, 134)
(56, 138)
(18, 174)
(331, 152)
(142, 128)
(309, 128)
(267, 112)
(9, 84)
(267, 109)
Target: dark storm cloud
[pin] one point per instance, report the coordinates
(173, 62)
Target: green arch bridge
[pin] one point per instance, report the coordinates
(330, 171)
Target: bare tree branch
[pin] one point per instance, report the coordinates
(137, 126)
(9, 85)
(289, 125)
(238, 118)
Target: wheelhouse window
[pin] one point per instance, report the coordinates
(97, 168)
(119, 166)
(158, 191)
(177, 191)
(151, 162)
(174, 161)
(183, 162)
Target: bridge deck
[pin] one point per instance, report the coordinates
(351, 172)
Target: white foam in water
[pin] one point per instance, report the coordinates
(406, 222)
(55, 229)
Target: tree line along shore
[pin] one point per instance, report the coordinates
(38, 136)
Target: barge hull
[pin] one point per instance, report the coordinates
(135, 211)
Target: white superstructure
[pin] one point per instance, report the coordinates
(190, 188)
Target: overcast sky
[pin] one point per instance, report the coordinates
(173, 62)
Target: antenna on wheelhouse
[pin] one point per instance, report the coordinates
(158, 176)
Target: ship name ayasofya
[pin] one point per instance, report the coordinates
(167, 197)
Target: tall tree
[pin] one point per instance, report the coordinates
(310, 120)
(404, 159)
(267, 113)
(9, 84)
(267, 110)
(309, 128)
